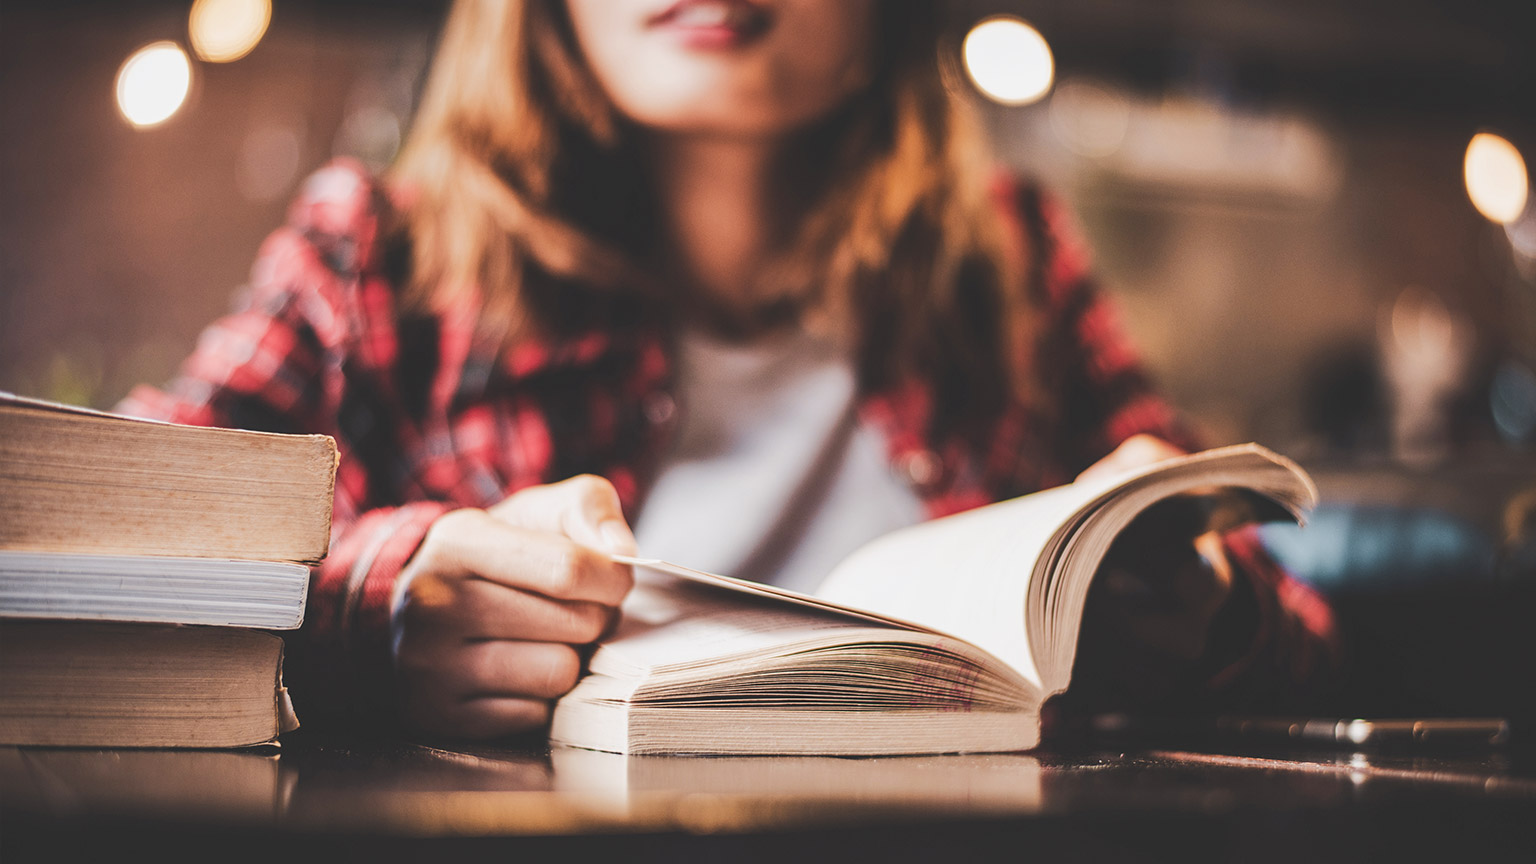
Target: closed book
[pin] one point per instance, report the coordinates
(73, 684)
(152, 588)
(88, 482)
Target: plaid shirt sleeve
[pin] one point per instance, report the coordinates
(1092, 368)
(1276, 642)
(289, 358)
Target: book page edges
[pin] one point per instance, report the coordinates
(321, 459)
(1103, 515)
(1114, 485)
(252, 593)
(47, 705)
(332, 455)
(621, 728)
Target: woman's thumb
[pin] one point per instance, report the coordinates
(584, 508)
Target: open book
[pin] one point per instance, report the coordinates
(943, 637)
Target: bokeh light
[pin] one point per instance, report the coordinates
(1496, 178)
(1008, 60)
(1422, 325)
(225, 30)
(153, 83)
(1513, 398)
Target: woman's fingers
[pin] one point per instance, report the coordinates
(495, 601)
(488, 687)
(474, 543)
(475, 608)
(1134, 452)
(584, 508)
(504, 668)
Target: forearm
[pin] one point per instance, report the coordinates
(341, 661)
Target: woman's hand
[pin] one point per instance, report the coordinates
(1137, 451)
(1156, 594)
(497, 603)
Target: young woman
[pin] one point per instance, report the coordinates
(737, 273)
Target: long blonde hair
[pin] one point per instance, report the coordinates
(523, 181)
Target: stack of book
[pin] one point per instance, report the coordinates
(142, 566)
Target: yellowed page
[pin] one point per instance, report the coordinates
(667, 624)
(760, 589)
(695, 668)
(967, 574)
(973, 574)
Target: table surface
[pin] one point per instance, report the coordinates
(389, 798)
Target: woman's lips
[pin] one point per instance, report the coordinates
(713, 24)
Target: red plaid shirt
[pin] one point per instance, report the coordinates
(429, 416)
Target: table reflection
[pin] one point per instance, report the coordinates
(421, 790)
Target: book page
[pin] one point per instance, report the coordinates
(151, 488)
(762, 590)
(671, 623)
(672, 629)
(268, 595)
(966, 574)
(1234, 485)
(994, 576)
(702, 669)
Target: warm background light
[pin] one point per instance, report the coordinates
(153, 82)
(225, 30)
(1008, 60)
(1496, 179)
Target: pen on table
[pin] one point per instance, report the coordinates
(1422, 733)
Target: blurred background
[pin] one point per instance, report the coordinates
(1276, 190)
(1315, 213)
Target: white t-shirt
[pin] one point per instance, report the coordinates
(770, 475)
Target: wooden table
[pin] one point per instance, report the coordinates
(385, 799)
